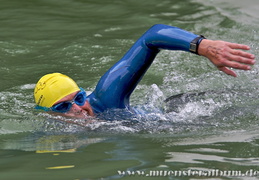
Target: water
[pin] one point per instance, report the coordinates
(212, 127)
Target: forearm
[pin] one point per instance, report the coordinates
(222, 54)
(167, 37)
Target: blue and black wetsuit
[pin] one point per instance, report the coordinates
(116, 85)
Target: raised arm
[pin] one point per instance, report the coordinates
(116, 85)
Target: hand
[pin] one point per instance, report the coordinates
(225, 55)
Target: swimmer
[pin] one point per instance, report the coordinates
(60, 94)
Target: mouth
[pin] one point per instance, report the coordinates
(79, 114)
(82, 114)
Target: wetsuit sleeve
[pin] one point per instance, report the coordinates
(116, 85)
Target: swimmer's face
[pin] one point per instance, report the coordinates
(76, 110)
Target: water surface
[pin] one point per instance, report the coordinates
(214, 125)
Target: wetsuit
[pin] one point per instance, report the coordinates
(116, 85)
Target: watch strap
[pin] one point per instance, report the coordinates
(194, 45)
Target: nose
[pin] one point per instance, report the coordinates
(86, 108)
(76, 109)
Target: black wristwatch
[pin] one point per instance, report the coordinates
(195, 44)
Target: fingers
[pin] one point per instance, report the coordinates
(236, 65)
(241, 57)
(238, 46)
(242, 54)
(227, 71)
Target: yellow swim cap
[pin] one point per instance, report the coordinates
(53, 87)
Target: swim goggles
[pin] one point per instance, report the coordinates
(65, 106)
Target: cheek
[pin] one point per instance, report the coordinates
(84, 107)
(87, 107)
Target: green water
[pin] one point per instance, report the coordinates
(217, 130)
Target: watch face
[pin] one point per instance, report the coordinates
(193, 47)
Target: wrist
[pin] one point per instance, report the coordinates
(202, 49)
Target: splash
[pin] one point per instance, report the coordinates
(191, 111)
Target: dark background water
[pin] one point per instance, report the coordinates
(216, 129)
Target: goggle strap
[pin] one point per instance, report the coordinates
(42, 108)
(82, 89)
